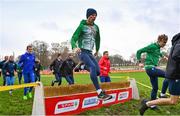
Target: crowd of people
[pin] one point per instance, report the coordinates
(29, 67)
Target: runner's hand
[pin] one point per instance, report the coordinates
(141, 65)
(96, 54)
(105, 68)
(166, 58)
(77, 50)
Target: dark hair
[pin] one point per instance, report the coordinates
(162, 37)
(6, 57)
(29, 46)
(105, 52)
(59, 54)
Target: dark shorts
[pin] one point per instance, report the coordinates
(174, 87)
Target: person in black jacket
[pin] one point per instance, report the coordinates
(2, 71)
(173, 76)
(67, 69)
(81, 67)
(9, 67)
(19, 73)
(37, 69)
(55, 68)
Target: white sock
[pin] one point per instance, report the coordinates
(10, 92)
(99, 91)
(162, 94)
(153, 106)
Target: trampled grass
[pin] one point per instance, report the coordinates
(15, 105)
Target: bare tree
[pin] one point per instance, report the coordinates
(40, 49)
(55, 48)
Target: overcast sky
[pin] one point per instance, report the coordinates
(125, 25)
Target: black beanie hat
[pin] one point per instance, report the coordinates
(90, 11)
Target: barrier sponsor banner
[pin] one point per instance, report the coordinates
(77, 103)
(66, 106)
(90, 102)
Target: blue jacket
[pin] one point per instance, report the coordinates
(10, 67)
(27, 62)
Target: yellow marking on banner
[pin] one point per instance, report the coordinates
(5, 88)
(119, 77)
(148, 87)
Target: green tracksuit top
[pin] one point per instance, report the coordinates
(152, 55)
(86, 36)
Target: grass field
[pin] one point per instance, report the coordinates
(15, 105)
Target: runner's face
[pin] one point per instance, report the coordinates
(11, 58)
(59, 57)
(30, 50)
(107, 55)
(6, 57)
(71, 56)
(92, 18)
(162, 43)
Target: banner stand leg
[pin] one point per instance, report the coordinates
(38, 103)
(135, 92)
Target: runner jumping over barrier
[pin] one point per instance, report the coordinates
(86, 35)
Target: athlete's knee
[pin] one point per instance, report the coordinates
(174, 101)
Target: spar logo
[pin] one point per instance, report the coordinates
(66, 106)
(90, 102)
(123, 95)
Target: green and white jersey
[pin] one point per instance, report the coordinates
(86, 36)
(153, 55)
